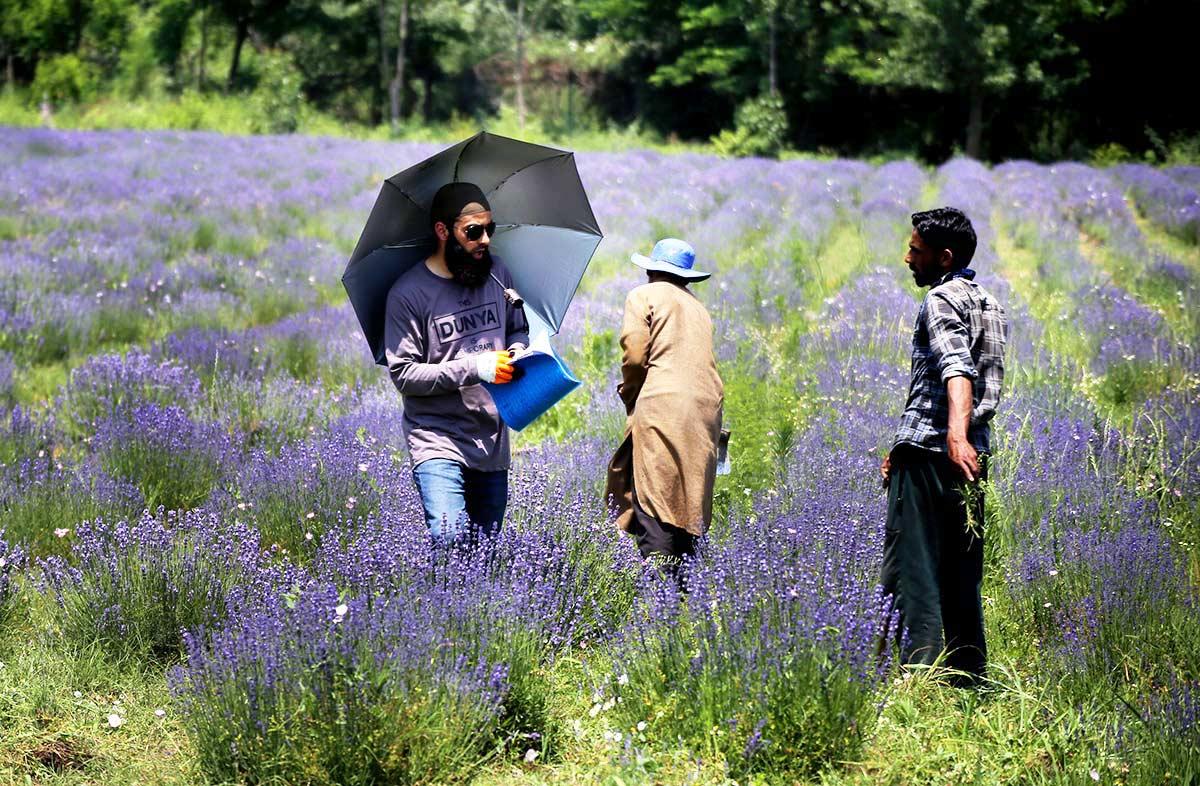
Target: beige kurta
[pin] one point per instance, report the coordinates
(673, 396)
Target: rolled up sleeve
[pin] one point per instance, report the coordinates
(949, 339)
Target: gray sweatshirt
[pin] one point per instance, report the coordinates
(435, 328)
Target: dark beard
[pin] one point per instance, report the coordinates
(466, 269)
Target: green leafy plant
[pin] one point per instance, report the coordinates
(760, 129)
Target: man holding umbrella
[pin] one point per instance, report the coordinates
(452, 324)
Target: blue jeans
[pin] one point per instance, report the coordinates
(448, 490)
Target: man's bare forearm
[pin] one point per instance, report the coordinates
(961, 392)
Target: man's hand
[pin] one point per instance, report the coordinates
(496, 367)
(885, 469)
(964, 457)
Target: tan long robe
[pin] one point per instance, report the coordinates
(673, 397)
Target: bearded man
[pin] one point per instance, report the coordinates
(933, 545)
(449, 328)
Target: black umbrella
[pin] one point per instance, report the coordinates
(546, 231)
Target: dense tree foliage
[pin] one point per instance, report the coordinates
(994, 78)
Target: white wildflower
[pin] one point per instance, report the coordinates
(61, 532)
(160, 712)
(115, 721)
(623, 679)
(531, 756)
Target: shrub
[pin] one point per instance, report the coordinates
(278, 97)
(1162, 738)
(294, 496)
(107, 386)
(64, 79)
(175, 462)
(760, 129)
(768, 663)
(22, 438)
(310, 687)
(43, 503)
(134, 586)
(1111, 154)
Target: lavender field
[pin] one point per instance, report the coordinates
(214, 569)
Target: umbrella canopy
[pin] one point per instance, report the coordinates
(546, 231)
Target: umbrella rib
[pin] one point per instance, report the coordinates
(523, 224)
(458, 161)
(404, 194)
(522, 169)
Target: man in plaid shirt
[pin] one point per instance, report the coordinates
(933, 547)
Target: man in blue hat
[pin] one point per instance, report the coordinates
(661, 478)
(449, 328)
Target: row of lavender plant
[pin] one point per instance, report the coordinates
(1167, 196)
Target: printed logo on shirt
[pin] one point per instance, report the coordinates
(466, 323)
(483, 345)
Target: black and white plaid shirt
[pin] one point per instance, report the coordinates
(960, 332)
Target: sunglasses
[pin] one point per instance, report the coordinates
(475, 231)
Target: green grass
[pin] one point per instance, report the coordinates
(55, 703)
(238, 114)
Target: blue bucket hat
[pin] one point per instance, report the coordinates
(674, 256)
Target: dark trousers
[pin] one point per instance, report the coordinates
(933, 562)
(658, 539)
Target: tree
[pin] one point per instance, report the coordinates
(246, 15)
(526, 19)
(396, 85)
(974, 50)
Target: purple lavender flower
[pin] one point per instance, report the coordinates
(134, 585)
(107, 386)
(43, 501)
(7, 369)
(12, 563)
(175, 461)
(1168, 201)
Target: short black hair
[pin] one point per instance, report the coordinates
(947, 227)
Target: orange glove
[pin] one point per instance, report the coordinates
(495, 367)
